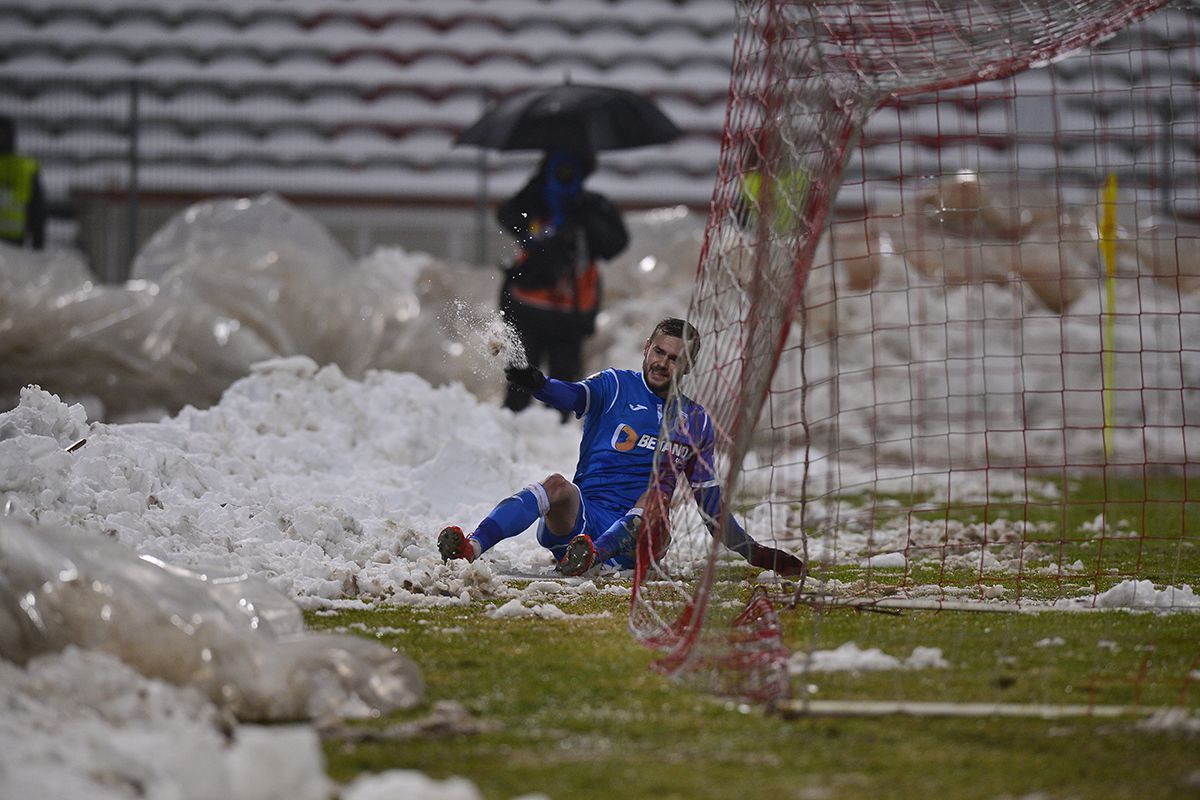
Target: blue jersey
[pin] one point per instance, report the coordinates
(622, 418)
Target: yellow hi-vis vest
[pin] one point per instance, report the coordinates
(16, 188)
(784, 193)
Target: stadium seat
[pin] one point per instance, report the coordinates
(375, 82)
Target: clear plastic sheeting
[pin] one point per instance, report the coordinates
(206, 230)
(273, 275)
(231, 636)
(116, 344)
(228, 283)
(224, 285)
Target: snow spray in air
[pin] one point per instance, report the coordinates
(489, 336)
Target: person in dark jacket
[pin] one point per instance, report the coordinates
(22, 202)
(551, 290)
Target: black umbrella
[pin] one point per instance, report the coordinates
(571, 116)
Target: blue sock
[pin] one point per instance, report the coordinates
(511, 516)
(620, 539)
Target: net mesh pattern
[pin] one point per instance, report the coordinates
(908, 363)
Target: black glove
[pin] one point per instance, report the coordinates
(528, 378)
(781, 562)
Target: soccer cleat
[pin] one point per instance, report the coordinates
(579, 557)
(452, 543)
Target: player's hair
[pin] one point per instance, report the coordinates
(681, 329)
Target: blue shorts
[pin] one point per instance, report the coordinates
(590, 519)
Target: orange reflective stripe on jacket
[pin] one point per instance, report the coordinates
(559, 296)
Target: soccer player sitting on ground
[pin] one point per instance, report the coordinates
(595, 518)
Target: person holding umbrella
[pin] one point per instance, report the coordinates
(551, 290)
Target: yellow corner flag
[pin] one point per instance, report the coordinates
(1108, 251)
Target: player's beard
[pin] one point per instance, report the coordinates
(658, 381)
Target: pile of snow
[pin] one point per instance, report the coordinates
(849, 657)
(326, 486)
(1138, 595)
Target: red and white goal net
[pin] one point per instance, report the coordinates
(951, 325)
